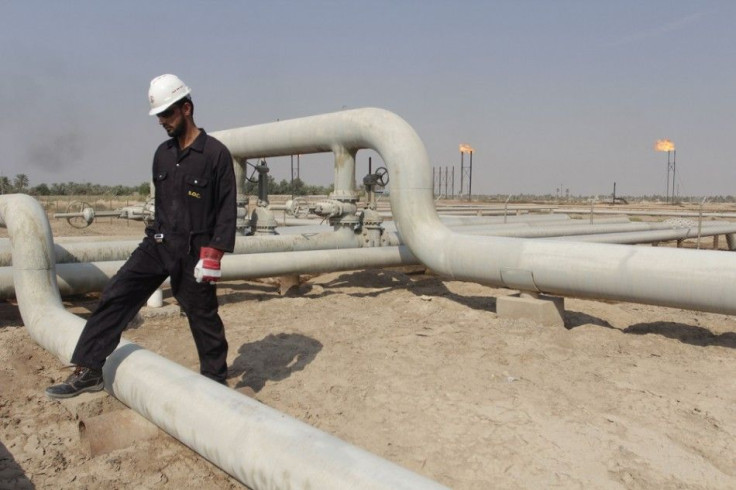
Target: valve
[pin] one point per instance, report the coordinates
(382, 173)
(261, 170)
(297, 207)
(379, 178)
(78, 214)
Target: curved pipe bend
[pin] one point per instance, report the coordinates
(259, 446)
(698, 280)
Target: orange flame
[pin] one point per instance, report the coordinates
(466, 148)
(664, 145)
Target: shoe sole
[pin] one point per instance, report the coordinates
(89, 389)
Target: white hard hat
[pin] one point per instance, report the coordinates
(164, 91)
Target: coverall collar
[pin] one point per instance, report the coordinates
(197, 145)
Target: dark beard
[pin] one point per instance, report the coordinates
(176, 131)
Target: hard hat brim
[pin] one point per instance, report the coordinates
(159, 109)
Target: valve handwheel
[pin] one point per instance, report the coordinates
(382, 174)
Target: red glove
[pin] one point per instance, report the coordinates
(208, 267)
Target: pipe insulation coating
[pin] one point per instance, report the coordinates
(691, 279)
(259, 446)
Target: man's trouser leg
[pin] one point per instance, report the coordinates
(122, 298)
(199, 302)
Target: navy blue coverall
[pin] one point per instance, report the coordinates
(195, 207)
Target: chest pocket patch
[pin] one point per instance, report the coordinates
(195, 186)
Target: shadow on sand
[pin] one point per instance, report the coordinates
(687, 334)
(273, 358)
(11, 474)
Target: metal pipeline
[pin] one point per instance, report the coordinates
(481, 220)
(80, 278)
(259, 446)
(653, 236)
(343, 237)
(81, 251)
(274, 255)
(609, 233)
(90, 277)
(643, 212)
(532, 227)
(84, 252)
(691, 279)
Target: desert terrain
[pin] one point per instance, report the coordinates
(421, 372)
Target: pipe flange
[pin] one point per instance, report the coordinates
(336, 209)
(262, 222)
(371, 219)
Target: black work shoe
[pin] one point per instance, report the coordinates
(80, 381)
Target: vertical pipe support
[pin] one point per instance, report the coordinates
(345, 189)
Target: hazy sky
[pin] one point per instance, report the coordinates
(550, 94)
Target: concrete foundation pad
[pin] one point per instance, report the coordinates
(288, 284)
(547, 310)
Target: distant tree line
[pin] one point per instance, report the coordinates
(21, 184)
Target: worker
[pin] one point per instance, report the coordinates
(194, 225)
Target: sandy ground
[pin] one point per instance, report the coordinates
(421, 372)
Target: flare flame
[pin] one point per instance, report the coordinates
(664, 145)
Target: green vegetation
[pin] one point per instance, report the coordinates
(294, 188)
(21, 185)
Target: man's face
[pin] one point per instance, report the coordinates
(172, 120)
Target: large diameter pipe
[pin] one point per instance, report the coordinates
(614, 233)
(74, 278)
(482, 220)
(259, 446)
(89, 277)
(344, 237)
(33, 264)
(642, 212)
(83, 250)
(652, 236)
(533, 229)
(315, 261)
(698, 280)
(320, 239)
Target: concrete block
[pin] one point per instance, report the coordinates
(288, 284)
(546, 310)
